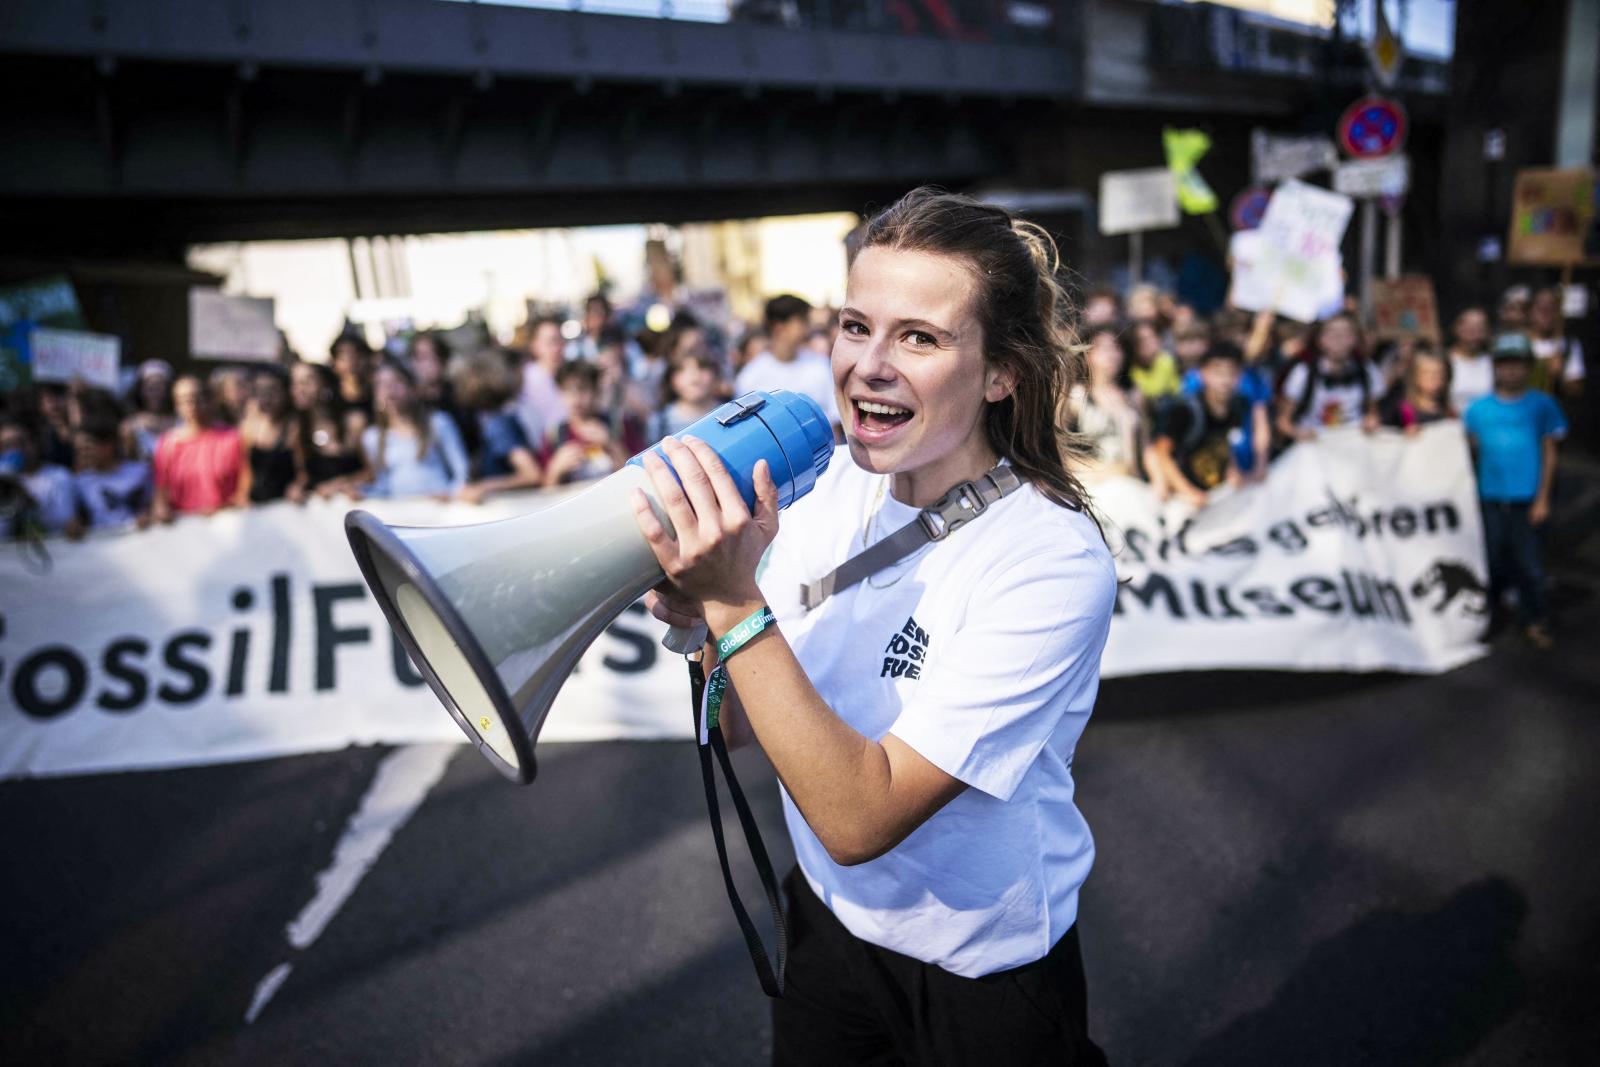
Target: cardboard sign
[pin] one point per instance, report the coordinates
(1389, 176)
(1272, 158)
(231, 327)
(1291, 264)
(1135, 200)
(68, 355)
(1306, 220)
(1553, 217)
(1404, 308)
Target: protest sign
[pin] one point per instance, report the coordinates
(15, 370)
(1553, 217)
(1386, 176)
(1273, 158)
(251, 634)
(1291, 264)
(1405, 307)
(48, 301)
(1184, 149)
(231, 327)
(67, 355)
(1251, 287)
(1306, 221)
(1132, 201)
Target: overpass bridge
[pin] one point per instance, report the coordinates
(198, 119)
(138, 128)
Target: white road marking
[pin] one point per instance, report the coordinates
(402, 783)
(265, 988)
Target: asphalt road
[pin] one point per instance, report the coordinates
(1300, 869)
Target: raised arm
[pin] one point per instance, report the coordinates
(860, 797)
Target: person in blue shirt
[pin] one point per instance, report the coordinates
(485, 387)
(1514, 431)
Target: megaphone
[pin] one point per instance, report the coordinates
(496, 614)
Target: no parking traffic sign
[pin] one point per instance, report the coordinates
(1249, 206)
(1371, 127)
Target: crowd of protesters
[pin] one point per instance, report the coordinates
(1189, 404)
(412, 420)
(1186, 402)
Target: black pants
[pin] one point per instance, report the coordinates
(1512, 545)
(850, 1002)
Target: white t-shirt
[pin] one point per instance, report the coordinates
(539, 406)
(982, 653)
(51, 488)
(806, 373)
(1471, 377)
(1334, 401)
(1550, 347)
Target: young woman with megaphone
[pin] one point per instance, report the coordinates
(919, 655)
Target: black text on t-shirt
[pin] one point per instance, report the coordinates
(906, 652)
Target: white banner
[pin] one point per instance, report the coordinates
(250, 634)
(1357, 553)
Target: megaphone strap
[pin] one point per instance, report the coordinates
(933, 523)
(769, 973)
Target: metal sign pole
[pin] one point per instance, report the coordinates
(1135, 257)
(1391, 246)
(1369, 254)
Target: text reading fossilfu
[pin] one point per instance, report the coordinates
(252, 656)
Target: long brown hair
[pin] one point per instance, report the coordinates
(417, 411)
(1023, 310)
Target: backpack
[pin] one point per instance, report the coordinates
(1238, 408)
(1314, 375)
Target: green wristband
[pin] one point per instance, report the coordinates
(743, 633)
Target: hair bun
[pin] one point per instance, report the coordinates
(1041, 246)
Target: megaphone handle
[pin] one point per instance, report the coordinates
(685, 639)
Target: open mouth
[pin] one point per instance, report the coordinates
(874, 418)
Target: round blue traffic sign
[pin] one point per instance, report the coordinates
(1249, 206)
(1372, 127)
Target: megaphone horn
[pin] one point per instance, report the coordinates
(496, 614)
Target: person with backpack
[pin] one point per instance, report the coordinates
(1212, 436)
(1558, 356)
(1335, 385)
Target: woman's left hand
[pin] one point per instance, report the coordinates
(719, 542)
